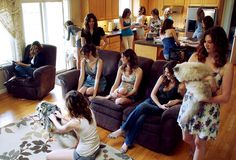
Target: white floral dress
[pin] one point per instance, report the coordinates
(205, 123)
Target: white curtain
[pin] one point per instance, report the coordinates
(11, 18)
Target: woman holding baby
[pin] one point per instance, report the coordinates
(204, 125)
(164, 95)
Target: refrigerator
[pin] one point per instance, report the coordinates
(190, 25)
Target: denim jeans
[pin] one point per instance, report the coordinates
(23, 71)
(136, 119)
(76, 155)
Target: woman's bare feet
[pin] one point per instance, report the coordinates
(115, 134)
(124, 148)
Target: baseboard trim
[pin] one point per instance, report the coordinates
(4, 90)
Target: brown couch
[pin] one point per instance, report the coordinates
(40, 84)
(159, 133)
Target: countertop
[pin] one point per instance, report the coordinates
(149, 43)
(115, 33)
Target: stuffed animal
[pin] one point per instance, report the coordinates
(194, 74)
(44, 109)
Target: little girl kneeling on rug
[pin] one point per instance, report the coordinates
(82, 122)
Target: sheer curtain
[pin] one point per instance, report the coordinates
(11, 18)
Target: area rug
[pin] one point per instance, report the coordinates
(27, 140)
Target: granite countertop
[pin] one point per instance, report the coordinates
(115, 33)
(149, 43)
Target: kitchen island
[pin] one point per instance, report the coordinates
(149, 48)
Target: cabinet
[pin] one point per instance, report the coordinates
(112, 9)
(103, 9)
(152, 52)
(173, 2)
(113, 43)
(212, 3)
(97, 8)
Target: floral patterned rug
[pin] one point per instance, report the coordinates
(27, 140)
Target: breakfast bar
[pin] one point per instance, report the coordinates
(149, 48)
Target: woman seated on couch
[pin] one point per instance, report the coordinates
(30, 62)
(128, 79)
(165, 94)
(91, 80)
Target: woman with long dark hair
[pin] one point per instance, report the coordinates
(155, 22)
(164, 95)
(170, 41)
(198, 33)
(81, 120)
(126, 29)
(91, 33)
(128, 79)
(32, 60)
(141, 20)
(91, 80)
(204, 125)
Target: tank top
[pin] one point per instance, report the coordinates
(127, 81)
(127, 31)
(90, 71)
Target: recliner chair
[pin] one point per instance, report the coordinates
(40, 84)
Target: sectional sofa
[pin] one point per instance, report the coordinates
(159, 133)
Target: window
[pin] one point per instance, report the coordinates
(43, 21)
(124, 4)
(6, 47)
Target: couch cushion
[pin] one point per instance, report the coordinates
(110, 66)
(155, 73)
(107, 107)
(145, 64)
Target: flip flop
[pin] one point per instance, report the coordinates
(112, 136)
(122, 150)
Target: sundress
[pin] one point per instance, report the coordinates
(91, 75)
(205, 123)
(127, 81)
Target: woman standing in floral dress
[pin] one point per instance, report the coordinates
(205, 124)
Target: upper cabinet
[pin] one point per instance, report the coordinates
(97, 8)
(112, 9)
(213, 3)
(103, 9)
(173, 2)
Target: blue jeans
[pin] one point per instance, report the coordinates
(136, 119)
(24, 72)
(76, 155)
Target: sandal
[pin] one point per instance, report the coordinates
(124, 148)
(115, 134)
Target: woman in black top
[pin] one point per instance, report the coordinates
(32, 60)
(164, 95)
(92, 34)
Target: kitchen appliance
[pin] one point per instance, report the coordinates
(191, 22)
(110, 26)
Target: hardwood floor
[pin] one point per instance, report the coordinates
(223, 148)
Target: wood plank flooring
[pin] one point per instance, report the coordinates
(223, 148)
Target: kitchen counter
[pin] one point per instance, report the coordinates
(149, 43)
(115, 33)
(149, 49)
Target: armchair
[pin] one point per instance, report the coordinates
(40, 84)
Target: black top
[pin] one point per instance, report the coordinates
(38, 60)
(95, 37)
(165, 96)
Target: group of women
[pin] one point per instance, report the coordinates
(212, 51)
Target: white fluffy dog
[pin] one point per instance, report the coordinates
(193, 74)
